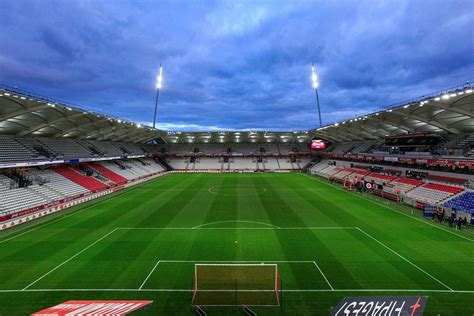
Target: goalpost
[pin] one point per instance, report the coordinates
(236, 285)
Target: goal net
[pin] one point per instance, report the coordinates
(236, 284)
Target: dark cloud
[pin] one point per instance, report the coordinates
(236, 64)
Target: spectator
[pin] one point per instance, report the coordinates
(451, 221)
(459, 223)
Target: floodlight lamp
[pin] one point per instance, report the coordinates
(314, 77)
(159, 79)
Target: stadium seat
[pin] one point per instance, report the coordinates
(463, 202)
(433, 193)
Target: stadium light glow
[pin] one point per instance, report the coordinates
(159, 85)
(314, 77)
(315, 83)
(469, 91)
(159, 79)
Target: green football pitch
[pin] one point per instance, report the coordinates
(144, 242)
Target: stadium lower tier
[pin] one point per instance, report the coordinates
(238, 163)
(426, 194)
(29, 190)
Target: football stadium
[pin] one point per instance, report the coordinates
(107, 214)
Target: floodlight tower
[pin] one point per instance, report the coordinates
(314, 79)
(159, 84)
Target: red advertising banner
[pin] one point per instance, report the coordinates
(89, 308)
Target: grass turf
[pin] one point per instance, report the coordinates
(328, 244)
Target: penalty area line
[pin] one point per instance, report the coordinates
(405, 259)
(241, 228)
(67, 260)
(390, 208)
(324, 276)
(149, 274)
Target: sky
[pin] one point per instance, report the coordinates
(236, 65)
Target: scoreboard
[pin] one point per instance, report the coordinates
(318, 144)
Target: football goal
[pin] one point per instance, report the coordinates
(236, 285)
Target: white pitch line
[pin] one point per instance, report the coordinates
(242, 228)
(236, 261)
(51, 221)
(399, 255)
(235, 221)
(66, 261)
(324, 276)
(61, 217)
(149, 274)
(283, 290)
(392, 209)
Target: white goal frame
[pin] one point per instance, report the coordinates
(274, 292)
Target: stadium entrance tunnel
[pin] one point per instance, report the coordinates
(229, 190)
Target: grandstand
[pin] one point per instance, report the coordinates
(286, 197)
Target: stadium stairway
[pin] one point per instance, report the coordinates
(109, 174)
(163, 162)
(87, 182)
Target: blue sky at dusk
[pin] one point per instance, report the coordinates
(232, 65)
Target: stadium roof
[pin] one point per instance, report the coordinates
(447, 112)
(24, 114)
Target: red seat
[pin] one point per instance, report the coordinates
(444, 188)
(87, 182)
(109, 174)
